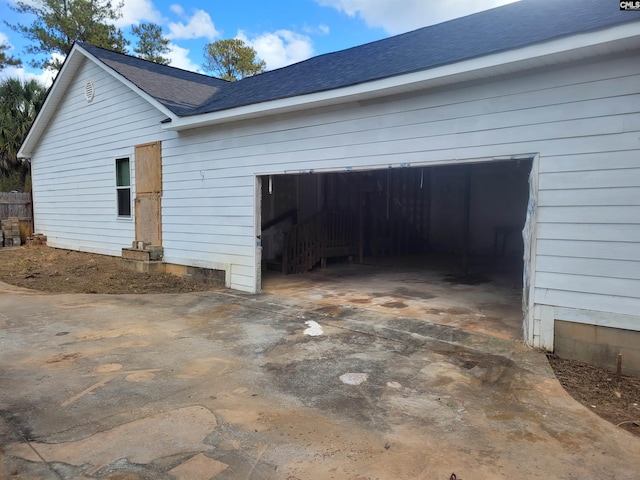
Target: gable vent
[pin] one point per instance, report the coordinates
(89, 91)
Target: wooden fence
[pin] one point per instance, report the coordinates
(15, 204)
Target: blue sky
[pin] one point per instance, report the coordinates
(281, 31)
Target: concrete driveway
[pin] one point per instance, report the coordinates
(232, 386)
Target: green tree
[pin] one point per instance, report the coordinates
(151, 43)
(232, 59)
(6, 59)
(58, 24)
(20, 102)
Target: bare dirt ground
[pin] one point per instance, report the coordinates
(599, 390)
(63, 271)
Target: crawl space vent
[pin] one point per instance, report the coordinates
(89, 91)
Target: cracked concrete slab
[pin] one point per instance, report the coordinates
(174, 432)
(229, 385)
(200, 467)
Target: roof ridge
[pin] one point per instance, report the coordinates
(512, 26)
(139, 59)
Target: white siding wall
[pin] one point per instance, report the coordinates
(584, 122)
(75, 193)
(74, 165)
(208, 214)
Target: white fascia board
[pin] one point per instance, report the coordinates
(617, 37)
(60, 84)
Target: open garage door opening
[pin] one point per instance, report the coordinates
(408, 238)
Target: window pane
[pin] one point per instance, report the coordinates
(124, 202)
(122, 172)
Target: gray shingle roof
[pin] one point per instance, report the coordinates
(179, 90)
(504, 28)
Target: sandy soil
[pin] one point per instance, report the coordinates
(63, 271)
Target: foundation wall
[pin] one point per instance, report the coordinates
(598, 345)
(203, 275)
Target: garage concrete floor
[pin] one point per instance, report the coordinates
(232, 386)
(487, 300)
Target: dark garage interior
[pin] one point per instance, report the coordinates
(472, 214)
(441, 244)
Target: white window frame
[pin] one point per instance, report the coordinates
(123, 187)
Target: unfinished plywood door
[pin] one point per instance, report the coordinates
(148, 222)
(148, 168)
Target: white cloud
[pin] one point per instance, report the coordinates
(137, 11)
(177, 9)
(279, 48)
(179, 58)
(18, 72)
(403, 15)
(317, 30)
(45, 77)
(199, 25)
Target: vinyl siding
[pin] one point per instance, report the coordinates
(583, 122)
(75, 194)
(74, 165)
